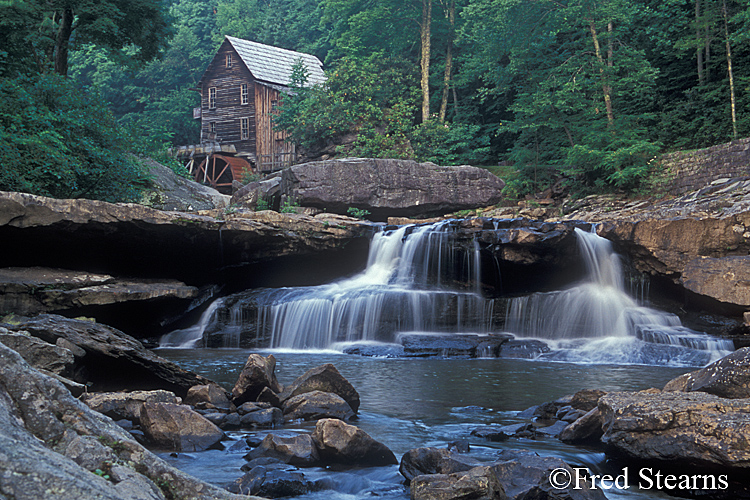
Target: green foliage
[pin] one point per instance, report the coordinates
(372, 98)
(289, 206)
(358, 213)
(261, 205)
(450, 143)
(61, 141)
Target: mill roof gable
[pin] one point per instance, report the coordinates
(274, 65)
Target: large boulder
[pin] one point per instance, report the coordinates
(324, 378)
(113, 361)
(388, 187)
(517, 475)
(339, 442)
(685, 429)
(47, 436)
(208, 396)
(173, 427)
(421, 461)
(728, 377)
(299, 450)
(316, 405)
(257, 374)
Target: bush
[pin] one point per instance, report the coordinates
(61, 141)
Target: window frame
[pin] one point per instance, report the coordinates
(244, 94)
(244, 129)
(212, 98)
(228, 60)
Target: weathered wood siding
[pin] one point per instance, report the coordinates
(271, 146)
(229, 111)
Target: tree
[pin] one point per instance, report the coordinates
(113, 24)
(61, 141)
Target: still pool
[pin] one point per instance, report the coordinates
(409, 403)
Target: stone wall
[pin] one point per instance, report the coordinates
(692, 170)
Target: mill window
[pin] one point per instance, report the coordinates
(212, 98)
(245, 128)
(244, 95)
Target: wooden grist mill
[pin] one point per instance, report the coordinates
(240, 92)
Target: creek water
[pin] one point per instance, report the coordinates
(417, 279)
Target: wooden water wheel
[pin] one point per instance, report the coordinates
(219, 171)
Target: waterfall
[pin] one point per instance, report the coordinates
(597, 321)
(417, 278)
(191, 336)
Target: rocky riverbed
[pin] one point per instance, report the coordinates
(145, 271)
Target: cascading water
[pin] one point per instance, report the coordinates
(414, 281)
(426, 279)
(597, 321)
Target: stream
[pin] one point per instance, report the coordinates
(598, 337)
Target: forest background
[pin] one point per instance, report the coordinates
(588, 91)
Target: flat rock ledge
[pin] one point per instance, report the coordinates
(135, 240)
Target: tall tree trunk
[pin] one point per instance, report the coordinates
(62, 42)
(698, 48)
(451, 14)
(606, 89)
(425, 62)
(725, 14)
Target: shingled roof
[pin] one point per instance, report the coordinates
(274, 65)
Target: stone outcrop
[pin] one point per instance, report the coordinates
(35, 290)
(49, 440)
(698, 241)
(169, 191)
(689, 429)
(728, 377)
(111, 360)
(390, 188)
(134, 240)
(339, 442)
(38, 353)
